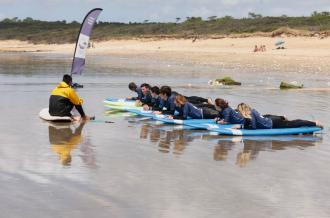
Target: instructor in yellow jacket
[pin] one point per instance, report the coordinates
(63, 98)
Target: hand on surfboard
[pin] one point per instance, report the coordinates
(146, 107)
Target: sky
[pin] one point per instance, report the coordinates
(155, 10)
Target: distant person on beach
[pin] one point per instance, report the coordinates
(253, 120)
(255, 48)
(262, 48)
(134, 88)
(63, 98)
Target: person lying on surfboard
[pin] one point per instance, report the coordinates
(155, 100)
(63, 98)
(143, 92)
(167, 104)
(253, 120)
(146, 94)
(134, 88)
(187, 109)
(227, 115)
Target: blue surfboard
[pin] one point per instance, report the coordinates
(220, 129)
(164, 119)
(283, 138)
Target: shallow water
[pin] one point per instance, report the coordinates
(139, 168)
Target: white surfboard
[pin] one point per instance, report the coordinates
(44, 114)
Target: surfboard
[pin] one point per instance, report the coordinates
(119, 102)
(283, 138)
(221, 129)
(165, 119)
(211, 125)
(121, 108)
(141, 112)
(44, 114)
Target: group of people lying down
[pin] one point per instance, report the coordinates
(165, 101)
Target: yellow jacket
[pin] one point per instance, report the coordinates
(66, 91)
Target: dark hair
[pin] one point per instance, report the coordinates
(145, 85)
(155, 89)
(132, 86)
(165, 90)
(221, 103)
(67, 79)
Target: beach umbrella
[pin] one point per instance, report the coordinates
(279, 42)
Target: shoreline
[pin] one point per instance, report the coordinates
(301, 53)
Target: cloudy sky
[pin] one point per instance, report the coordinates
(155, 10)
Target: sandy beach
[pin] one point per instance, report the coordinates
(301, 53)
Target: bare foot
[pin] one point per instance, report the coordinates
(76, 118)
(209, 101)
(319, 124)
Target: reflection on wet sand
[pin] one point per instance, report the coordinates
(88, 154)
(64, 138)
(253, 146)
(222, 149)
(169, 138)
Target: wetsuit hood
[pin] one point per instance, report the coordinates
(63, 85)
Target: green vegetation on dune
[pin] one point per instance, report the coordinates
(36, 31)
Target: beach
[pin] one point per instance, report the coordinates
(300, 53)
(137, 167)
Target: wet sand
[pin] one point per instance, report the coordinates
(139, 168)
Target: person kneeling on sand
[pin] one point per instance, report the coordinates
(63, 98)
